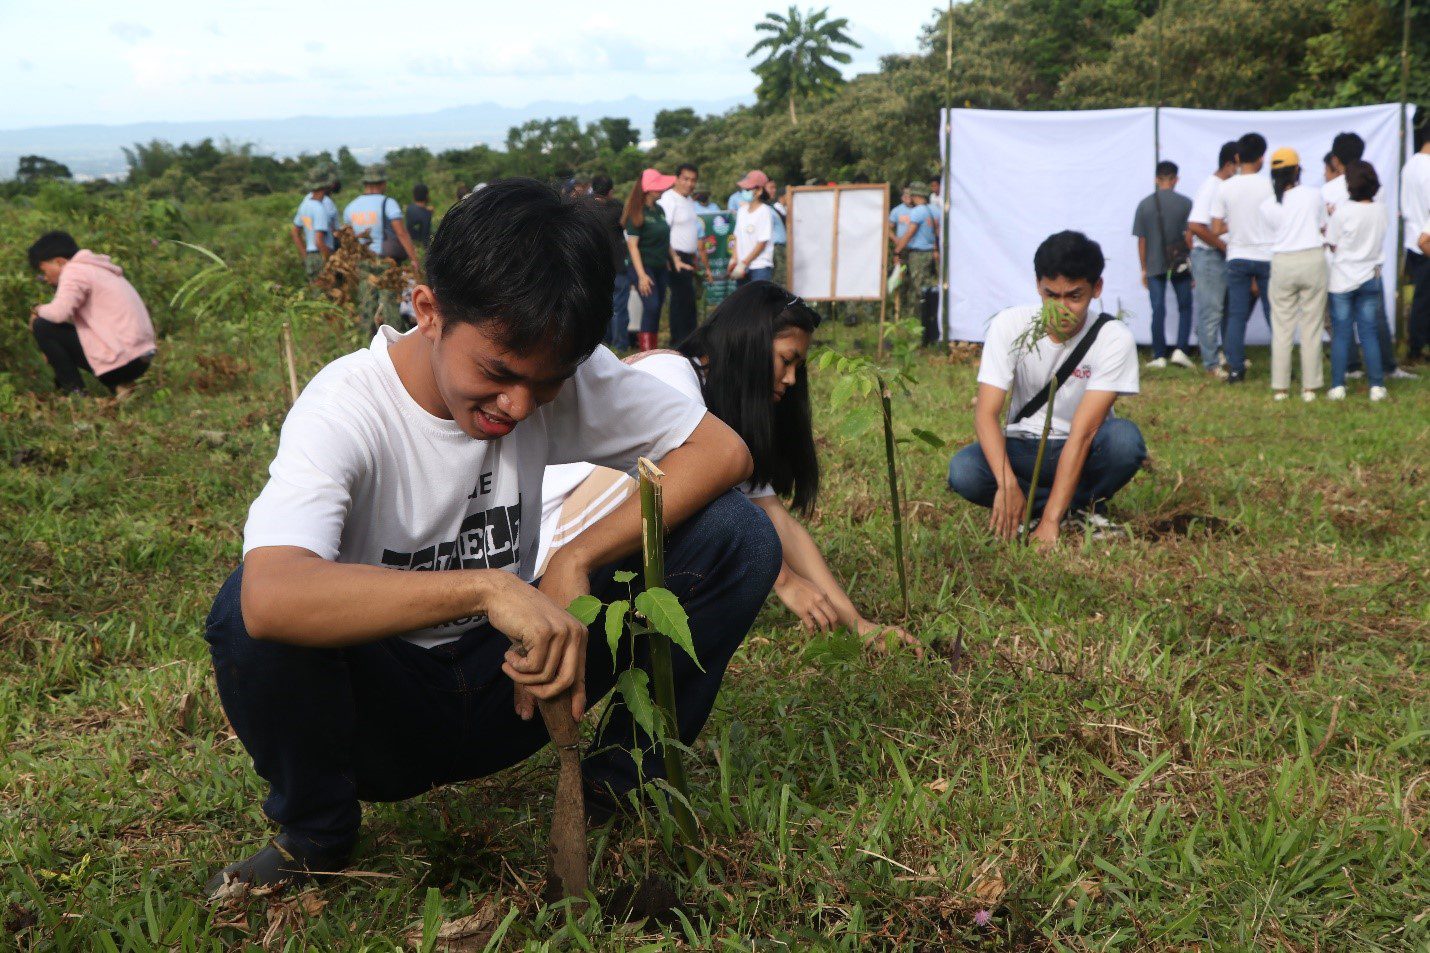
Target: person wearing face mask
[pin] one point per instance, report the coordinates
(1091, 453)
(747, 365)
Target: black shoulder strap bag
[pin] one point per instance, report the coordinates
(1065, 371)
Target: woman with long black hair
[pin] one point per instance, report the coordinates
(1297, 290)
(746, 364)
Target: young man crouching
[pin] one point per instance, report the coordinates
(1091, 453)
(367, 647)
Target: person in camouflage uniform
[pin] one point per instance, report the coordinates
(313, 227)
(375, 216)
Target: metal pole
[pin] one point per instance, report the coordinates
(1402, 320)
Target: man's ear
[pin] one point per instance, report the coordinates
(1097, 289)
(424, 309)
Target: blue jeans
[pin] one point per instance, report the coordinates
(1209, 274)
(618, 335)
(1241, 301)
(1359, 309)
(1182, 288)
(1117, 454)
(650, 304)
(388, 720)
(756, 274)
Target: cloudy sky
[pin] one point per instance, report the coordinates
(141, 60)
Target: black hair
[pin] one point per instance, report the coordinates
(1283, 178)
(1228, 153)
(736, 346)
(419, 193)
(1070, 255)
(1347, 147)
(601, 185)
(1361, 181)
(1326, 159)
(532, 264)
(1421, 133)
(1251, 147)
(51, 245)
(683, 166)
(1166, 169)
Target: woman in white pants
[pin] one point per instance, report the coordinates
(1299, 275)
(1297, 217)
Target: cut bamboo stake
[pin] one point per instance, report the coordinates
(1038, 460)
(568, 818)
(895, 512)
(288, 360)
(653, 551)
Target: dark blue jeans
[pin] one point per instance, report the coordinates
(1241, 301)
(619, 334)
(1360, 310)
(651, 303)
(388, 720)
(756, 274)
(1117, 454)
(1182, 288)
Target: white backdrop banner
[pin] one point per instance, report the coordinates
(1017, 177)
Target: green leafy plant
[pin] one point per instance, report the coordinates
(860, 378)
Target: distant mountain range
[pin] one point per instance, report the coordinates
(93, 151)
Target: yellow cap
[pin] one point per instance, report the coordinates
(1284, 158)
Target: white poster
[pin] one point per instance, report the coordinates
(1017, 177)
(837, 243)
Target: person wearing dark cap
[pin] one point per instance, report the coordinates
(915, 241)
(313, 228)
(419, 216)
(376, 219)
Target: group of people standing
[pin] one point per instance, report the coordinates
(1304, 253)
(380, 225)
(658, 248)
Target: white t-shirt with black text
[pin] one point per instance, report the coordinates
(755, 224)
(1238, 202)
(1109, 365)
(1297, 221)
(672, 369)
(1357, 234)
(364, 474)
(1201, 212)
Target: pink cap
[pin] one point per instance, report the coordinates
(754, 180)
(655, 181)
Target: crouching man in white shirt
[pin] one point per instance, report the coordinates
(367, 648)
(1091, 453)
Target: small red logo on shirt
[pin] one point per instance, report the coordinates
(1083, 372)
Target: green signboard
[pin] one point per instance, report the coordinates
(717, 240)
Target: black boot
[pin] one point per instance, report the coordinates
(280, 864)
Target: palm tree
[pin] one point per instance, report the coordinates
(800, 48)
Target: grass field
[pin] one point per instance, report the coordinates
(1215, 734)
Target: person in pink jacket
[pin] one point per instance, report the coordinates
(96, 321)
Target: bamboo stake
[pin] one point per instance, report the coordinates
(653, 551)
(894, 510)
(288, 359)
(1038, 460)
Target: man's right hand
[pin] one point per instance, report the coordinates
(1008, 506)
(549, 654)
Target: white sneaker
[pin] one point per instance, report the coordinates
(1401, 374)
(1354, 375)
(1180, 359)
(1378, 393)
(1280, 395)
(1336, 393)
(1308, 396)
(1157, 362)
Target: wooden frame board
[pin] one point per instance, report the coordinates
(833, 238)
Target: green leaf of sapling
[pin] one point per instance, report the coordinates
(585, 609)
(666, 613)
(616, 623)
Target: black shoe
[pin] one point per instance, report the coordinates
(1234, 378)
(280, 864)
